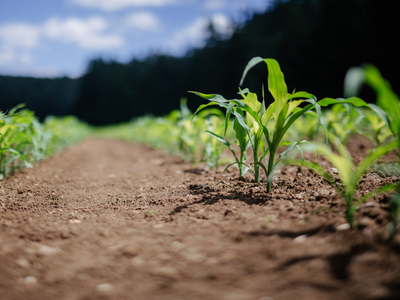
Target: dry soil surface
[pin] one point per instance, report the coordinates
(113, 220)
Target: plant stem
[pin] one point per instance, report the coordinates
(242, 160)
(256, 166)
(350, 209)
(271, 160)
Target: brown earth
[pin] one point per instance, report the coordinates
(112, 220)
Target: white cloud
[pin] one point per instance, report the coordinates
(144, 21)
(222, 24)
(10, 56)
(87, 34)
(19, 35)
(196, 33)
(215, 4)
(112, 5)
(15, 40)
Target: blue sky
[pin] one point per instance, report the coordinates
(50, 38)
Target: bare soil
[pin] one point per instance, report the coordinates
(113, 220)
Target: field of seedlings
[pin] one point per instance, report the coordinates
(239, 200)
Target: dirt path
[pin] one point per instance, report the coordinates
(112, 220)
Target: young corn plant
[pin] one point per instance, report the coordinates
(387, 103)
(373, 127)
(243, 143)
(212, 148)
(24, 140)
(253, 116)
(16, 147)
(349, 173)
(305, 127)
(342, 121)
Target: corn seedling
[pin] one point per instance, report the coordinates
(349, 174)
(388, 103)
(373, 127)
(24, 140)
(253, 116)
(305, 127)
(212, 148)
(342, 121)
(15, 140)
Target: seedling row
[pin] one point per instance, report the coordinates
(275, 134)
(24, 140)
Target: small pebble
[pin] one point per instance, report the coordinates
(176, 244)
(342, 227)
(30, 280)
(366, 221)
(46, 250)
(104, 288)
(300, 238)
(23, 262)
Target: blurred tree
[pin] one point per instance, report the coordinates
(43, 95)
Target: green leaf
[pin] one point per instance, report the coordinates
(301, 95)
(210, 97)
(244, 106)
(254, 61)
(383, 189)
(241, 135)
(353, 100)
(291, 106)
(243, 92)
(344, 164)
(276, 85)
(323, 123)
(242, 123)
(311, 166)
(386, 99)
(374, 155)
(228, 115)
(268, 114)
(239, 163)
(220, 138)
(284, 153)
(353, 81)
(201, 107)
